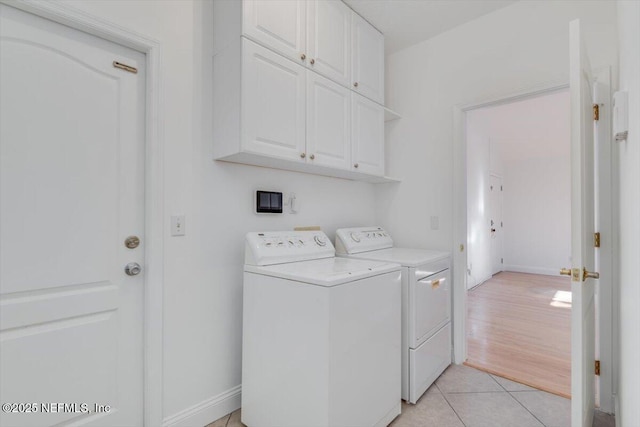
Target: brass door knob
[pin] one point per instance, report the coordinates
(565, 272)
(589, 274)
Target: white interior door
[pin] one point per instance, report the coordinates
(582, 232)
(71, 191)
(495, 224)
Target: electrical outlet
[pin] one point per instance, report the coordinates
(178, 225)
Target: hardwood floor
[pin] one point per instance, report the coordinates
(519, 327)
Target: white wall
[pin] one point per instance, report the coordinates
(629, 218)
(515, 48)
(203, 270)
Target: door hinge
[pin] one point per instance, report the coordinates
(501, 225)
(598, 367)
(501, 188)
(125, 67)
(596, 239)
(596, 112)
(501, 260)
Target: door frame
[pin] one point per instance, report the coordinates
(153, 181)
(501, 178)
(607, 347)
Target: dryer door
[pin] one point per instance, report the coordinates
(430, 303)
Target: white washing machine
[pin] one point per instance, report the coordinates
(321, 335)
(426, 303)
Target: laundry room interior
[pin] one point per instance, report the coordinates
(272, 136)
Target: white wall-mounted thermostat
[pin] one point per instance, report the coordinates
(621, 115)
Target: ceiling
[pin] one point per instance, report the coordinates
(407, 22)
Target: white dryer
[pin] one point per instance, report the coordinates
(321, 335)
(426, 303)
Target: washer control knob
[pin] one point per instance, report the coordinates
(355, 237)
(320, 241)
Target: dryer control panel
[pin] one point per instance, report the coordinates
(279, 247)
(362, 239)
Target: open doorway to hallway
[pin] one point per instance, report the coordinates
(518, 237)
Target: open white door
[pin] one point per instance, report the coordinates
(582, 233)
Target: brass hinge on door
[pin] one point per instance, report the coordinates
(125, 67)
(596, 112)
(596, 239)
(598, 367)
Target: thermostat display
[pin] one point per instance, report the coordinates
(268, 202)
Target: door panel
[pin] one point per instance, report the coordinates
(367, 55)
(273, 104)
(367, 140)
(329, 39)
(71, 191)
(328, 122)
(496, 230)
(582, 229)
(277, 24)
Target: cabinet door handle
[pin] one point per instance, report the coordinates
(313, 156)
(355, 166)
(355, 84)
(303, 57)
(303, 155)
(313, 61)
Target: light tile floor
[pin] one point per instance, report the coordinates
(467, 397)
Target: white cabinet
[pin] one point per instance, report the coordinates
(367, 135)
(277, 24)
(328, 122)
(329, 39)
(283, 74)
(367, 59)
(273, 104)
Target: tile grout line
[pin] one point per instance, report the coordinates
(448, 403)
(525, 408)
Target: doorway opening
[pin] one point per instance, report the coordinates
(518, 237)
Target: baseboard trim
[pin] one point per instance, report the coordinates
(206, 411)
(532, 270)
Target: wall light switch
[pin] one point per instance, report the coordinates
(177, 225)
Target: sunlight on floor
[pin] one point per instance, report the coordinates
(561, 299)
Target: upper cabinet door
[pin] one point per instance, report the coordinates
(277, 24)
(273, 104)
(328, 122)
(329, 39)
(367, 59)
(367, 140)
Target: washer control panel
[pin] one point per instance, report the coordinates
(362, 239)
(278, 247)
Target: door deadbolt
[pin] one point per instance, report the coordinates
(132, 242)
(132, 269)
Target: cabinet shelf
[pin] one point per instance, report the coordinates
(288, 165)
(389, 115)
